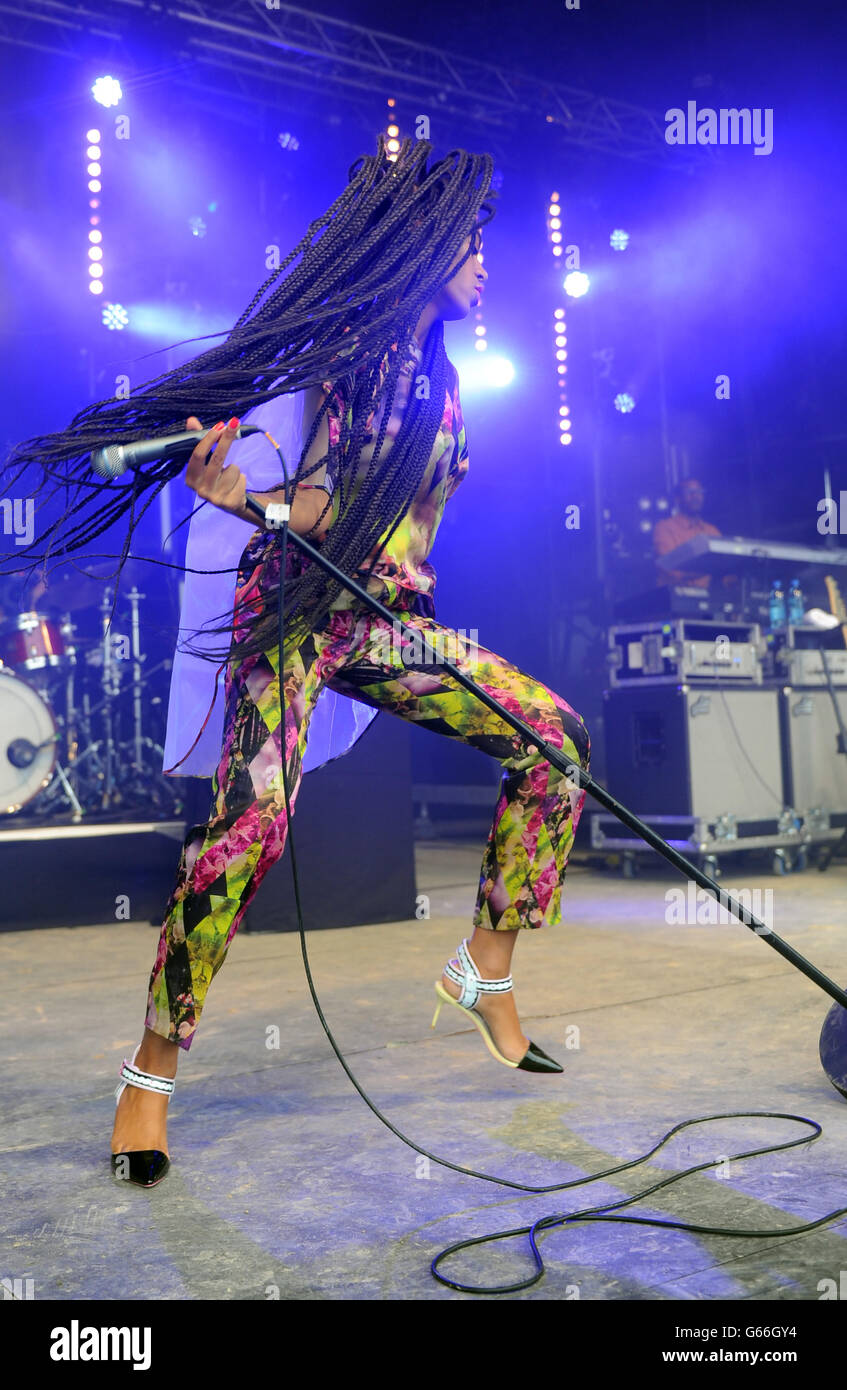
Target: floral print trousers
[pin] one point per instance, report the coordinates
(356, 653)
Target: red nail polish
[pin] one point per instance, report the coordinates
(234, 422)
(219, 425)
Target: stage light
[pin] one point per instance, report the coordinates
(107, 91)
(576, 284)
(392, 144)
(93, 170)
(500, 371)
(624, 402)
(115, 316)
(197, 225)
(619, 240)
(288, 141)
(558, 324)
(484, 372)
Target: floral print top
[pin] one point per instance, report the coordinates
(403, 574)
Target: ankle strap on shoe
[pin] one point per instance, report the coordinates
(470, 979)
(147, 1080)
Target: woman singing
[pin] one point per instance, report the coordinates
(356, 328)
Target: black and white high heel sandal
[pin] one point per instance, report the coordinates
(146, 1167)
(462, 971)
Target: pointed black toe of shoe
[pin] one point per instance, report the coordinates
(144, 1166)
(535, 1059)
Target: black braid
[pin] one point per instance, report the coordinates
(357, 283)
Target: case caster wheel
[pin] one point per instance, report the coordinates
(629, 866)
(779, 863)
(711, 865)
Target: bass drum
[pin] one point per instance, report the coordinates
(28, 740)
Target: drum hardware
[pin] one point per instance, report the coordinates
(82, 739)
(28, 746)
(34, 642)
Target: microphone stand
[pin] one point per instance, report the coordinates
(575, 774)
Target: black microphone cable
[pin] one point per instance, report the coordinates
(546, 1222)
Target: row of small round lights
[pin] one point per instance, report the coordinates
(480, 340)
(554, 234)
(392, 131)
(95, 236)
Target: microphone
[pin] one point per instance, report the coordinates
(114, 459)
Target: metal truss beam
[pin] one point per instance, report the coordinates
(252, 50)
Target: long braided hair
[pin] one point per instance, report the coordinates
(357, 283)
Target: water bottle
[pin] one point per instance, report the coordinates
(796, 603)
(776, 605)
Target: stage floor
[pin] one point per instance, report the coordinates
(283, 1182)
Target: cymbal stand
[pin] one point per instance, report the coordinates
(838, 850)
(134, 598)
(110, 684)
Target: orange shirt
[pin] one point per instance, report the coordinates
(676, 530)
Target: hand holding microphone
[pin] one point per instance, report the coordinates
(207, 473)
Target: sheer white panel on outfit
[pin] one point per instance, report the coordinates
(216, 541)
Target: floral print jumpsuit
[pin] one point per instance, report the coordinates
(356, 653)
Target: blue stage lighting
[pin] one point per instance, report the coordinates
(115, 316)
(624, 402)
(484, 373)
(576, 284)
(107, 90)
(619, 240)
(500, 371)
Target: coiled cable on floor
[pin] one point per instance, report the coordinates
(548, 1222)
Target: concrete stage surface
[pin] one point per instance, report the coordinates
(283, 1182)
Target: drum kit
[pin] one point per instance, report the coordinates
(81, 715)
